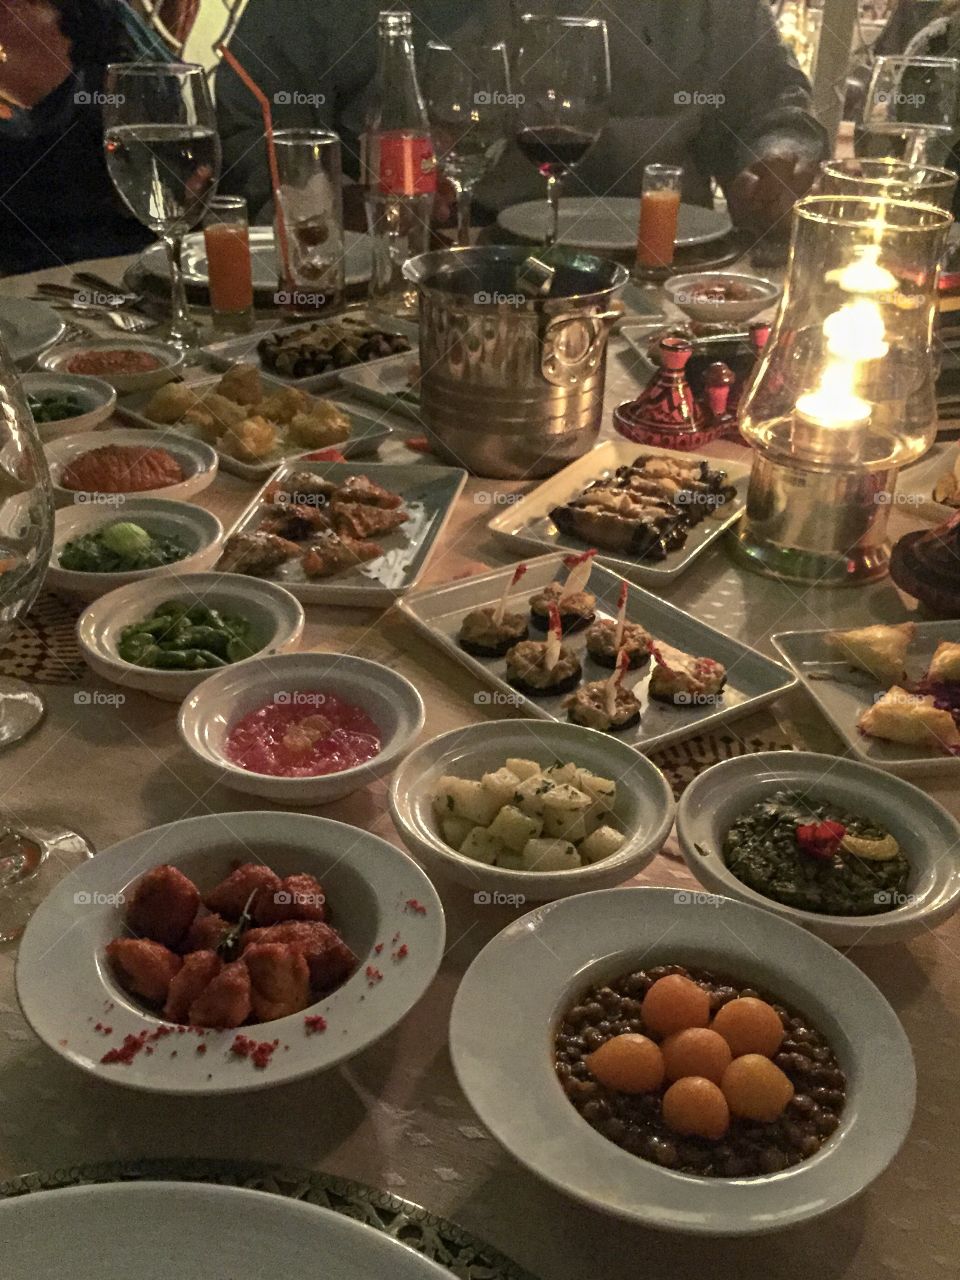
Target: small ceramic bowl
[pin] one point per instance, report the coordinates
(215, 706)
(690, 294)
(96, 398)
(170, 362)
(275, 617)
(198, 462)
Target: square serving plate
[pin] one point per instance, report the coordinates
(753, 680)
(526, 523)
(429, 494)
(366, 436)
(915, 484)
(385, 383)
(844, 699)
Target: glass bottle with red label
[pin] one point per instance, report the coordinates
(399, 167)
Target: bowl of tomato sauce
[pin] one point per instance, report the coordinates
(128, 366)
(302, 728)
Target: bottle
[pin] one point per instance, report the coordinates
(398, 167)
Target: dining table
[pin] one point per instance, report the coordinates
(393, 1120)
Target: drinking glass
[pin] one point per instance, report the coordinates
(659, 213)
(562, 78)
(914, 99)
(311, 204)
(470, 109)
(226, 238)
(883, 176)
(163, 155)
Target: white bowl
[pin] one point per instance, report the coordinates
(681, 292)
(929, 836)
(509, 1003)
(198, 462)
(276, 618)
(216, 705)
(368, 881)
(644, 808)
(195, 528)
(96, 396)
(58, 358)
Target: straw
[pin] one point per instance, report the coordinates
(264, 101)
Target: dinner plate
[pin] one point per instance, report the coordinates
(506, 1010)
(609, 223)
(195, 1231)
(843, 699)
(429, 493)
(753, 680)
(527, 524)
(197, 460)
(387, 383)
(28, 327)
(370, 883)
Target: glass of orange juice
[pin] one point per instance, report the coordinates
(226, 238)
(659, 211)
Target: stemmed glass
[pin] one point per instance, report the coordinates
(914, 99)
(562, 78)
(163, 155)
(469, 105)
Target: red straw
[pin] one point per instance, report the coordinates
(264, 101)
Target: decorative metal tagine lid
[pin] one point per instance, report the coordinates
(666, 412)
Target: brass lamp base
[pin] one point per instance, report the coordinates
(823, 528)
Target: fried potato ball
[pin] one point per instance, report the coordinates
(629, 1063)
(230, 896)
(224, 412)
(316, 431)
(250, 440)
(755, 1088)
(674, 1003)
(749, 1025)
(242, 384)
(696, 1051)
(163, 906)
(169, 403)
(225, 1002)
(329, 958)
(203, 422)
(194, 976)
(279, 978)
(143, 968)
(697, 1107)
(299, 897)
(285, 404)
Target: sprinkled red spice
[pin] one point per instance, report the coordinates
(418, 907)
(401, 952)
(315, 1022)
(378, 948)
(259, 1052)
(134, 1044)
(395, 939)
(373, 975)
(201, 1048)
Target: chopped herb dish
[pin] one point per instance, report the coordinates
(180, 637)
(54, 408)
(120, 547)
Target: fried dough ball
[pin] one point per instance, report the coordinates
(170, 402)
(329, 958)
(224, 1002)
(315, 430)
(285, 404)
(242, 385)
(225, 414)
(695, 1105)
(755, 1088)
(230, 896)
(749, 1025)
(143, 968)
(250, 440)
(629, 1063)
(205, 934)
(163, 906)
(195, 974)
(697, 1051)
(299, 897)
(279, 980)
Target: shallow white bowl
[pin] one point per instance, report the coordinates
(194, 527)
(96, 396)
(276, 618)
(644, 808)
(929, 836)
(515, 992)
(198, 462)
(681, 292)
(216, 705)
(171, 361)
(367, 880)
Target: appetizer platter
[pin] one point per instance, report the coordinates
(344, 533)
(613, 657)
(106, 467)
(391, 383)
(892, 692)
(649, 512)
(254, 422)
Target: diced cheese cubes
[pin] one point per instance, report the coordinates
(564, 811)
(550, 855)
(514, 827)
(563, 773)
(467, 798)
(601, 844)
(531, 795)
(603, 790)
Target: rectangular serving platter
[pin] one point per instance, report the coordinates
(385, 383)
(753, 680)
(367, 434)
(526, 523)
(429, 493)
(842, 700)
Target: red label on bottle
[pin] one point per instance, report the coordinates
(406, 165)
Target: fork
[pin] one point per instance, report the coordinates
(128, 322)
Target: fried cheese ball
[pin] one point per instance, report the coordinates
(299, 897)
(224, 1002)
(250, 440)
(194, 976)
(329, 958)
(230, 896)
(170, 403)
(242, 385)
(316, 431)
(279, 980)
(143, 968)
(285, 404)
(163, 906)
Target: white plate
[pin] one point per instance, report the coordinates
(754, 681)
(171, 361)
(928, 835)
(914, 491)
(843, 700)
(27, 327)
(197, 461)
(609, 223)
(387, 383)
(527, 524)
(96, 397)
(429, 493)
(501, 1033)
(194, 1231)
(369, 883)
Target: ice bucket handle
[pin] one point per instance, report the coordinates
(573, 346)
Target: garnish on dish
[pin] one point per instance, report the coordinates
(303, 733)
(119, 547)
(186, 637)
(488, 632)
(121, 468)
(576, 606)
(608, 638)
(880, 650)
(526, 818)
(544, 668)
(605, 704)
(684, 680)
(699, 1073)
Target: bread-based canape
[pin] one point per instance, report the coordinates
(576, 605)
(544, 668)
(488, 632)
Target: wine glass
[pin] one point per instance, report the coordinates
(469, 106)
(914, 99)
(562, 78)
(163, 155)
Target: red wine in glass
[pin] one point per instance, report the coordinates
(555, 148)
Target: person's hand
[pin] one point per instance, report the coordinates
(767, 190)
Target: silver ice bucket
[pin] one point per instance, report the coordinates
(511, 384)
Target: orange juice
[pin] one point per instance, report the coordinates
(659, 211)
(228, 266)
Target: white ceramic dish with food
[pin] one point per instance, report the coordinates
(390, 383)
(275, 617)
(197, 460)
(95, 397)
(27, 327)
(686, 292)
(608, 224)
(928, 836)
(643, 812)
(508, 1005)
(170, 361)
(196, 529)
(215, 706)
(369, 883)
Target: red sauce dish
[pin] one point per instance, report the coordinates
(303, 734)
(123, 360)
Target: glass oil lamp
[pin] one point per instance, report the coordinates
(843, 395)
